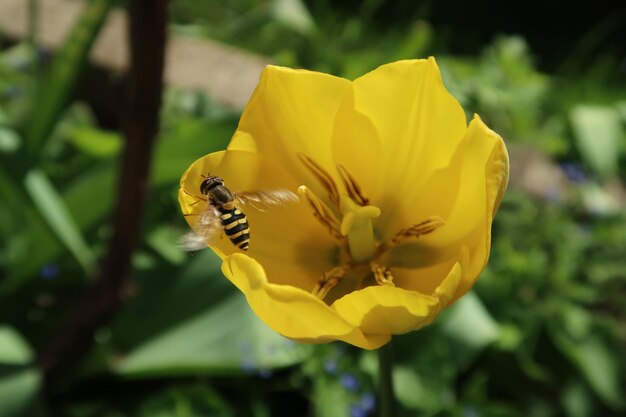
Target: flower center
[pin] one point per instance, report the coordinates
(351, 222)
(357, 227)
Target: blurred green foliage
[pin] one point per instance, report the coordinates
(543, 334)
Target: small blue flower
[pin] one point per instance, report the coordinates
(330, 365)
(470, 412)
(248, 366)
(367, 402)
(357, 411)
(349, 382)
(574, 172)
(49, 271)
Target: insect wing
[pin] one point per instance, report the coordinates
(262, 200)
(205, 231)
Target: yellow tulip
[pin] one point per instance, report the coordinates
(397, 192)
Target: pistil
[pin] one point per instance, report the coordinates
(356, 225)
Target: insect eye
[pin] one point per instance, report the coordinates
(204, 187)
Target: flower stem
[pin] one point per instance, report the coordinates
(385, 366)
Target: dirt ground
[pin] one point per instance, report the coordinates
(226, 73)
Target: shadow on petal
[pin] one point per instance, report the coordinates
(290, 311)
(384, 310)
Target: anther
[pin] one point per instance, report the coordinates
(382, 275)
(424, 227)
(329, 280)
(322, 176)
(352, 187)
(322, 213)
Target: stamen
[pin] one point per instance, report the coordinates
(425, 227)
(352, 187)
(322, 176)
(329, 280)
(382, 274)
(322, 213)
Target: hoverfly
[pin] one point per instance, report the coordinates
(222, 213)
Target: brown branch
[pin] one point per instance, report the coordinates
(97, 306)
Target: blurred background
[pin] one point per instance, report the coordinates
(542, 334)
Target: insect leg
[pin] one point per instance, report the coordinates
(194, 195)
(199, 198)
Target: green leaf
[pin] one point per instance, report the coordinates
(53, 209)
(577, 400)
(598, 133)
(470, 327)
(91, 196)
(225, 339)
(598, 200)
(9, 140)
(597, 363)
(330, 398)
(293, 14)
(4, 118)
(18, 391)
(414, 392)
(195, 322)
(67, 64)
(18, 383)
(409, 389)
(13, 349)
(96, 142)
(418, 39)
(164, 240)
(426, 366)
(620, 107)
(185, 401)
(89, 199)
(187, 141)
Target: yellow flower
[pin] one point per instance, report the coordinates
(397, 192)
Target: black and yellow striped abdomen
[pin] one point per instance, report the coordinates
(236, 227)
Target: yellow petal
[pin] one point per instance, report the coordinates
(293, 111)
(423, 280)
(357, 145)
(290, 311)
(497, 171)
(497, 174)
(397, 126)
(290, 244)
(384, 310)
(466, 195)
(446, 292)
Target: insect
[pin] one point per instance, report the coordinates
(222, 213)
